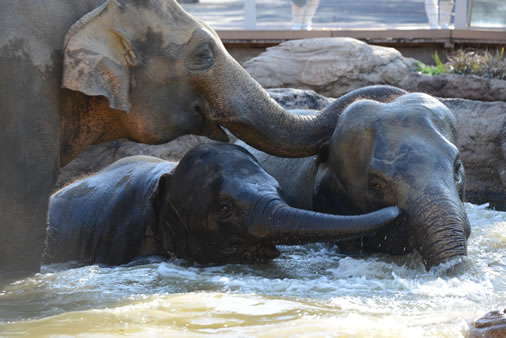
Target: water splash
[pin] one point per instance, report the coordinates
(307, 289)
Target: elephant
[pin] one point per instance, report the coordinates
(399, 153)
(81, 72)
(216, 206)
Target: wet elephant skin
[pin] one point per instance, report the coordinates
(216, 206)
(80, 72)
(399, 153)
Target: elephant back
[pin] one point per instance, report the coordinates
(103, 218)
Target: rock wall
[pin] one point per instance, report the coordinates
(335, 66)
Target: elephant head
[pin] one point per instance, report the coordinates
(217, 206)
(229, 210)
(400, 153)
(165, 73)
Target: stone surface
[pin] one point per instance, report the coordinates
(453, 85)
(291, 98)
(482, 141)
(329, 66)
(98, 156)
(481, 127)
(491, 325)
(334, 66)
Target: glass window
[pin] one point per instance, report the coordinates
(488, 13)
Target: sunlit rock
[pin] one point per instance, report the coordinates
(329, 66)
(335, 66)
(491, 325)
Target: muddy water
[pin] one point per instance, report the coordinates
(309, 290)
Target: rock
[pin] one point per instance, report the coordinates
(329, 66)
(98, 156)
(290, 98)
(454, 85)
(491, 325)
(482, 142)
(335, 66)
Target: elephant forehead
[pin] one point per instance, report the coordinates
(415, 157)
(222, 164)
(410, 132)
(414, 110)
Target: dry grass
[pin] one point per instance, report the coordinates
(487, 64)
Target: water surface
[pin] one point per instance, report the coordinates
(308, 290)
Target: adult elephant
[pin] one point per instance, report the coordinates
(399, 153)
(79, 72)
(217, 206)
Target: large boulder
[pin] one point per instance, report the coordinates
(329, 66)
(481, 127)
(335, 66)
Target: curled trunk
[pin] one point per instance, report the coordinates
(237, 102)
(441, 231)
(275, 221)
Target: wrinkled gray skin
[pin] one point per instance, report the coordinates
(400, 153)
(217, 206)
(79, 72)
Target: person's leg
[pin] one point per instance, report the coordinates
(298, 13)
(445, 13)
(432, 11)
(309, 13)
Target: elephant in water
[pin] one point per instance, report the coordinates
(216, 206)
(400, 153)
(80, 72)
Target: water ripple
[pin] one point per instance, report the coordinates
(307, 289)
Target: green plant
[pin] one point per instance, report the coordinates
(481, 63)
(439, 68)
(469, 62)
(495, 65)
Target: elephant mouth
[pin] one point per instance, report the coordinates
(257, 253)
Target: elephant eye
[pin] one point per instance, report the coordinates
(225, 209)
(457, 173)
(376, 186)
(201, 58)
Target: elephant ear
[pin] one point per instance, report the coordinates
(329, 195)
(170, 226)
(98, 56)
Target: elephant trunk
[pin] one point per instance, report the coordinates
(240, 104)
(274, 221)
(441, 230)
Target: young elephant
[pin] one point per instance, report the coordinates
(216, 206)
(400, 153)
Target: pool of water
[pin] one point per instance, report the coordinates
(308, 290)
